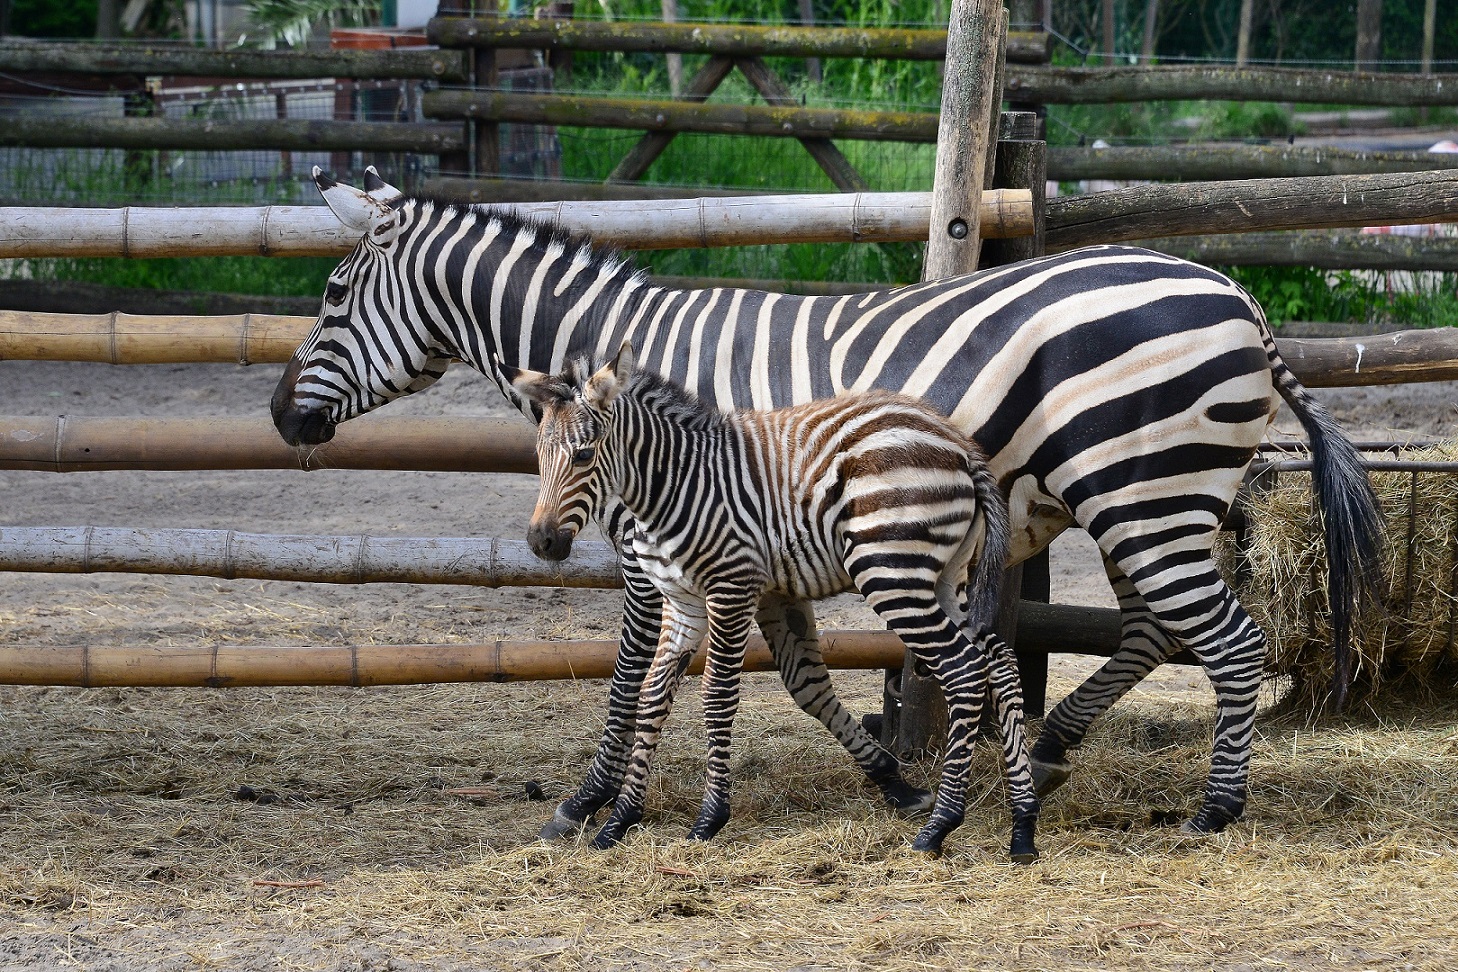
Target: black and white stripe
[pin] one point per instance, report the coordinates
(1114, 388)
(867, 490)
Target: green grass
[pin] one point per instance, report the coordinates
(1399, 300)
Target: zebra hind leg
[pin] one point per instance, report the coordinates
(731, 614)
(1144, 645)
(1007, 697)
(788, 627)
(642, 618)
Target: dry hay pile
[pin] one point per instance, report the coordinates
(1404, 643)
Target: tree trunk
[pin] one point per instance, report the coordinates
(675, 61)
(1369, 34)
(807, 17)
(108, 19)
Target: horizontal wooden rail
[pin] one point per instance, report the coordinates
(1041, 627)
(1327, 249)
(509, 192)
(473, 561)
(230, 134)
(163, 339)
(731, 40)
(680, 116)
(867, 217)
(1196, 163)
(88, 444)
(1068, 86)
(241, 63)
(133, 443)
(1242, 206)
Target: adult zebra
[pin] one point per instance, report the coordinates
(1111, 387)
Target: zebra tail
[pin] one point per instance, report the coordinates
(1351, 520)
(985, 583)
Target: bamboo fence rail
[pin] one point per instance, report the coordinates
(230, 554)
(1377, 359)
(1040, 627)
(88, 444)
(870, 217)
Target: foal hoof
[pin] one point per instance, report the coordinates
(1022, 850)
(562, 827)
(1048, 777)
(907, 799)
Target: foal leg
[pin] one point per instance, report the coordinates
(684, 626)
(788, 626)
(731, 613)
(642, 620)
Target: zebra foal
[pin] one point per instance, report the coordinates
(872, 491)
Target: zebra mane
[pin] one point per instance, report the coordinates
(610, 261)
(671, 402)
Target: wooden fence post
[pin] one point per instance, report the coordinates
(964, 143)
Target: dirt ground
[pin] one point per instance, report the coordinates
(136, 824)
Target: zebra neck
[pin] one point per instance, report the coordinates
(657, 458)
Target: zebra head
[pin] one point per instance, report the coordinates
(360, 354)
(575, 411)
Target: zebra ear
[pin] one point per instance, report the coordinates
(364, 213)
(378, 189)
(610, 379)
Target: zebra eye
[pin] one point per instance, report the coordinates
(334, 293)
(583, 456)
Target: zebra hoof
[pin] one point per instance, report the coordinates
(1048, 777)
(562, 827)
(907, 799)
(1022, 850)
(1210, 820)
(608, 837)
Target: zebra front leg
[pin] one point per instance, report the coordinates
(788, 626)
(730, 615)
(642, 621)
(1143, 646)
(684, 625)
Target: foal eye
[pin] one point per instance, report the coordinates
(334, 293)
(583, 456)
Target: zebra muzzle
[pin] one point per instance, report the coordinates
(549, 541)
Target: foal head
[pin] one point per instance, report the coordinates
(575, 414)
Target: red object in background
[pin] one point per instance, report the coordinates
(376, 38)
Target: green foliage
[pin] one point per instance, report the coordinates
(1398, 299)
(295, 277)
(292, 22)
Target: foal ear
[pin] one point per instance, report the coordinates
(534, 386)
(610, 379)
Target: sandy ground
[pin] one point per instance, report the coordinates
(137, 609)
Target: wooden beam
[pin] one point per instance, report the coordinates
(1197, 163)
(731, 40)
(831, 160)
(228, 134)
(160, 59)
(1244, 206)
(1325, 249)
(1068, 86)
(593, 111)
(705, 82)
(511, 191)
(1394, 358)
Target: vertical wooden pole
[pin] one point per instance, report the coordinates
(964, 142)
(1430, 28)
(1106, 21)
(459, 162)
(675, 60)
(1369, 34)
(285, 157)
(1151, 31)
(1242, 37)
(486, 141)
(807, 17)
